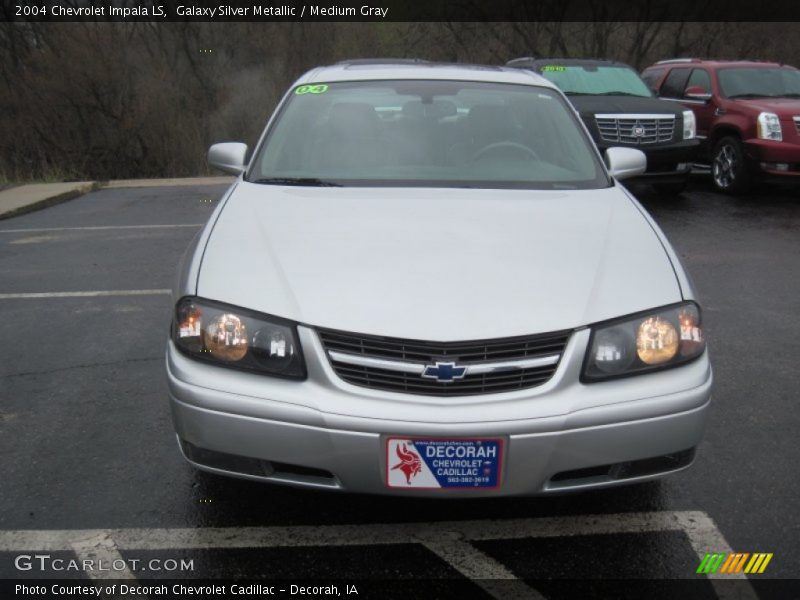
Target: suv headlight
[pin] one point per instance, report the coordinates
(769, 127)
(689, 125)
(236, 337)
(645, 342)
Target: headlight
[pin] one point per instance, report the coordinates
(769, 127)
(645, 342)
(689, 125)
(238, 338)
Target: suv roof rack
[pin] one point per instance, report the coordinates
(520, 60)
(382, 61)
(678, 60)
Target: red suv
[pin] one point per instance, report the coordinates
(747, 113)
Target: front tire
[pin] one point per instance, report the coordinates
(729, 169)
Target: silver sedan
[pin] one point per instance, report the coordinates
(427, 281)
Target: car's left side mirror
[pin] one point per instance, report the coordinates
(228, 157)
(697, 92)
(625, 162)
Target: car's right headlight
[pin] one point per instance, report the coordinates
(229, 336)
(769, 127)
(689, 125)
(645, 342)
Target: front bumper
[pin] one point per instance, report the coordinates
(767, 155)
(325, 433)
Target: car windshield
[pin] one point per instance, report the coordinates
(427, 133)
(759, 82)
(596, 80)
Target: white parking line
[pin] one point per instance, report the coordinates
(101, 228)
(102, 550)
(481, 568)
(448, 539)
(92, 294)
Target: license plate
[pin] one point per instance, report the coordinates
(436, 463)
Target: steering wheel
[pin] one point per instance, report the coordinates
(500, 145)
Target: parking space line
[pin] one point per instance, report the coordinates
(92, 294)
(482, 569)
(101, 549)
(700, 529)
(101, 228)
(704, 535)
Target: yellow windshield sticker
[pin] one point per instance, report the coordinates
(311, 89)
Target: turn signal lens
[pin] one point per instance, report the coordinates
(225, 338)
(692, 340)
(656, 341)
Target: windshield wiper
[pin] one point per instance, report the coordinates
(307, 181)
(789, 95)
(619, 93)
(750, 95)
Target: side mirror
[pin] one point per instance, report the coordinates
(228, 157)
(625, 162)
(697, 92)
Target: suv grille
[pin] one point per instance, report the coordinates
(636, 129)
(477, 355)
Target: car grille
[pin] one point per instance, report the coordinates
(485, 352)
(636, 129)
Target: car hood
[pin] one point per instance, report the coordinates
(436, 264)
(588, 106)
(785, 108)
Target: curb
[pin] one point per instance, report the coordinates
(92, 186)
(167, 182)
(49, 201)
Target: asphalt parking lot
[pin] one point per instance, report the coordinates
(90, 463)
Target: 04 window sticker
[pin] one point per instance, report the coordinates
(311, 89)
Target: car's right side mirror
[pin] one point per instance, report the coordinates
(228, 157)
(624, 163)
(697, 92)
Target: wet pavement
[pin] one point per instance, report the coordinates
(87, 442)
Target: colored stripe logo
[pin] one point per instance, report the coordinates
(737, 562)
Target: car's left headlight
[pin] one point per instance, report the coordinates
(645, 342)
(236, 337)
(769, 127)
(689, 125)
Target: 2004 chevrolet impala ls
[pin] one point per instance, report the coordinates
(427, 280)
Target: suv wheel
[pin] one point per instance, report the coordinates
(728, 166)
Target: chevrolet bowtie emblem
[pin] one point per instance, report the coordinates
(444, 372)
